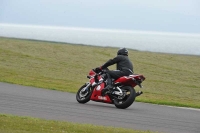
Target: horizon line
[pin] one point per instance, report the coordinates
(102, 29)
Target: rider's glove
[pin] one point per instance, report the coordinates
(98, 69)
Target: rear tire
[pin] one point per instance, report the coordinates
(128, 99)
(84, 97)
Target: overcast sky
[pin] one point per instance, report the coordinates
(145, 15)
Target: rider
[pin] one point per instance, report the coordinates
(124, 68)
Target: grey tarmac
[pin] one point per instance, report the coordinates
(56, 105)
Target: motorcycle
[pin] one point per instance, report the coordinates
(122, 95)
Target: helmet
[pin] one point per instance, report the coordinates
(122, 51)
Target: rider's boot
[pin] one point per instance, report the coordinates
(107, 90)
(109, 87)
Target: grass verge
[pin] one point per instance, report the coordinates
(16, 124)
(170, 79)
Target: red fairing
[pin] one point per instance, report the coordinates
(92, 73)
(92, 81)
(96, 94)
(129, 80)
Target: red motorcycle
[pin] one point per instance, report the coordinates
(123, 93)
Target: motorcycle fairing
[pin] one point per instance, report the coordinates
(129, 80)
(96, 95)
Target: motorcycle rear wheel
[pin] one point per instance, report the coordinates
(83, 96)
(129, 98)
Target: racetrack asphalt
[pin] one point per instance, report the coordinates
(56, 105)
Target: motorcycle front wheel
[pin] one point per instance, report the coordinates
(84, 93)
(127, 99)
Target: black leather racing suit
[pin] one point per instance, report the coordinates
(124, 67)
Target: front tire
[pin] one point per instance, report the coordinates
(127, 100)
(84, 96)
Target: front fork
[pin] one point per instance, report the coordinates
(87, 86)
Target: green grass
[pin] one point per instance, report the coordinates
(170, 79)
(15, 124)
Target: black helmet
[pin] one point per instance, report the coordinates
(122, 51)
